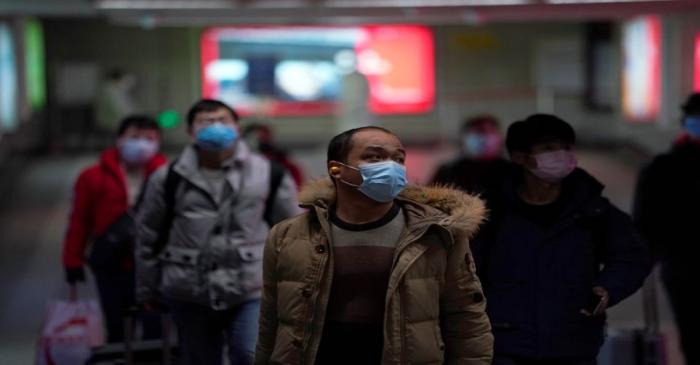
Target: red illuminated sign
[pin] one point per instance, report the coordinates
(301, 70)
(696, 83)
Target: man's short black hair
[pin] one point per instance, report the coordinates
(209, 105)
(692, 104)
(479, 120)
(339, 147)
(138, 121)
(536, 129)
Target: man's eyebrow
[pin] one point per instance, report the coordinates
(383, 149)
(375, 148)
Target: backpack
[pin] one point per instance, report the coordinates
(110, 249)
(173, 180)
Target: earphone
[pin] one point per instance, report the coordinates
(335, 169)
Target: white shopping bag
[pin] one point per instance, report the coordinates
(71, 328)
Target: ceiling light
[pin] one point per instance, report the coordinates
(418, 3)
(162, 4)
(600, 1)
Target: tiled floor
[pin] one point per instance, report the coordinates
(32, 221)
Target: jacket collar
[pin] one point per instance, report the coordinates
(189, 159)
(111, 162)
(582, 193)
(685, 144)
(457, 211)
(580, 188)
(187, 166)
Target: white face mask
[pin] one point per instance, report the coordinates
(554, 166)
(137, 151)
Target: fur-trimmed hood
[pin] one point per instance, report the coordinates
(462, 213)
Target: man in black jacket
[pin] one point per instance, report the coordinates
(555, 253)
(666, 204)
(480, 168)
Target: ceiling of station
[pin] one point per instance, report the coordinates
(207, 12)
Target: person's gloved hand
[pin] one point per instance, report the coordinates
(75, 275)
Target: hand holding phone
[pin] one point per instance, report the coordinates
(594, 302)
(597, 302)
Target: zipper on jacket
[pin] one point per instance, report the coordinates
(402, 309)
(411, 238)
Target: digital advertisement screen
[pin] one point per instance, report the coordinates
(696, 64)
(8, 80)
(288, 71)
(641, 71)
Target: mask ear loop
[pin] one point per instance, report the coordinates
(346, 182)
(349, 183)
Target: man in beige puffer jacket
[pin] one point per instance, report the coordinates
(375, 272)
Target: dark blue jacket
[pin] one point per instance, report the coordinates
(666, 208)
(537, 279)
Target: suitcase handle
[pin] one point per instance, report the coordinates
(130, 324)
(650, 304)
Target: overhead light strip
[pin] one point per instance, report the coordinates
(347, 4)
(601, 1)
(162, 4)
(418, 3)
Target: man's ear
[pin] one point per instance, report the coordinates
(334, 169)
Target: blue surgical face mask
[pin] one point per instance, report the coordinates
(478, 145)
(137, 151)
(381, 181)
(217, 137)
(473, 144)
(692, 126)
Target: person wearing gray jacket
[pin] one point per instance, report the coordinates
(199, 251)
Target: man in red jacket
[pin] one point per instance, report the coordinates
(104, 194)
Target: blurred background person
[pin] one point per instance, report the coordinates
(115, 99)
(481, 168)
(261, 139)
(104, 196)
(666, 205)
(353, 110)
(540, 254)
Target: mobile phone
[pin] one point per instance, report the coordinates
(594, 303)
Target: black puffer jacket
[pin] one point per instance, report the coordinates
(666, 206)
(537, 279)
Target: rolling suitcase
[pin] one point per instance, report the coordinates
(143, 352)
(645, 346)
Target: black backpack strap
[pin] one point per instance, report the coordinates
(172, 180)
(276, 174)
(139, 199)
